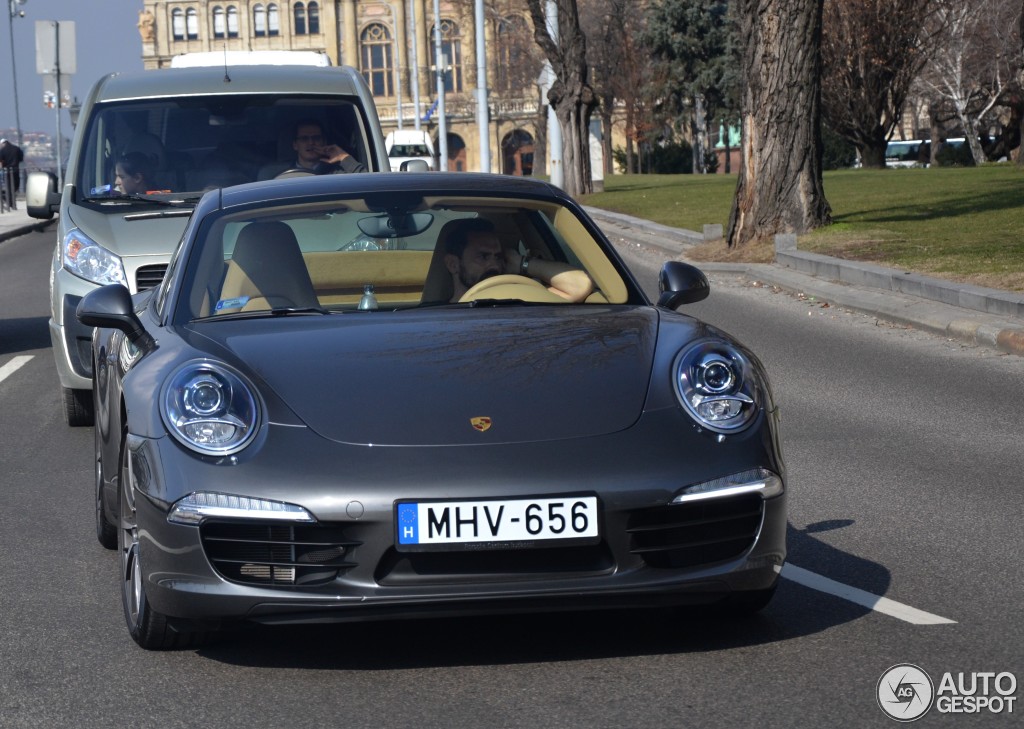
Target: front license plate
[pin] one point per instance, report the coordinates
(497, 524)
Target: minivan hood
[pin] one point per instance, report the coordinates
(131, 230)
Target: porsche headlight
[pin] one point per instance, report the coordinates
(717, 386)
(86, 258)
(210, 409)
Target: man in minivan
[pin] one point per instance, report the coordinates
(313, 154)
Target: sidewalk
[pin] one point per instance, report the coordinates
(980, 316)
(17, 222)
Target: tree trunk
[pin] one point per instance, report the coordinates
(606, 136)
(570, 95)
(872, 156)
(779, 189)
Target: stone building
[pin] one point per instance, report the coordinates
(392, 43)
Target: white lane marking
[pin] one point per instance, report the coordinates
(13, 366)
(861, 597)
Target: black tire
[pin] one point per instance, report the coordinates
(149, 628)
(78, 407)
(106, 532)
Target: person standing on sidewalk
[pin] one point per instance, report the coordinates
(11, 158)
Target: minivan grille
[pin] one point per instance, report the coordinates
(146, 277)
(276, 554)
(696, 533)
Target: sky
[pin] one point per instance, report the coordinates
(106, 40)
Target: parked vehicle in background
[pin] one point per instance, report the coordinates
(405, 145)
(905, 153)
(192, 129)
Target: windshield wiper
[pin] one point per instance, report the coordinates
(264, 313)
(137, 197)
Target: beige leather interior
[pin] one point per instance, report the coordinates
(266, 271)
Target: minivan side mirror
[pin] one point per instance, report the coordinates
(415, 165)
(680, 283)
(42, 198)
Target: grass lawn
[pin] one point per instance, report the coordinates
(962, 224)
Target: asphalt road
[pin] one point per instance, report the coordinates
(905, 459)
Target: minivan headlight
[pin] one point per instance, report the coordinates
(717, 385)
(210, 409)
(87, 259)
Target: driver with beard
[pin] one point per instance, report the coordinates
(473, 252)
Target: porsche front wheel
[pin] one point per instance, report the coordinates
(149, 628)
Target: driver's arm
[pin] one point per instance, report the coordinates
(561, 279)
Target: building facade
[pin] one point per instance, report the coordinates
(392, 43)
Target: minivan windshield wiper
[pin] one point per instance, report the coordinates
(121, 198)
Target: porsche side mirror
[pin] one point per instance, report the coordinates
(680, 283)
(42, 198)
(110, 307)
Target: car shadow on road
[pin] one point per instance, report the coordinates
(24, 334)
(795, 612)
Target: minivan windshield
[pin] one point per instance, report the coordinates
(139, 151)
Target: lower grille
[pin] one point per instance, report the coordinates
(698, 533)
(276, 554)
(146, 277)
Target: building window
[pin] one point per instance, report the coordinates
(313, 13)
(300, 19)
(512, 50)
(273, 20)
(178, 24)
(220, 28)
(451, 47)
(259, 20)
(192, 23)
(375, 43)
(232, 21)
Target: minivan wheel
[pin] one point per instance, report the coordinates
(78, 407)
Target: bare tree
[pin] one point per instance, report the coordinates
(872, 50)
(780, 186)
(613, 29)
(977, 62)
(571, 95)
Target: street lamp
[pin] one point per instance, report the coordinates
(15, 10)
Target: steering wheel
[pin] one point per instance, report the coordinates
(511, 286)
(293, 172)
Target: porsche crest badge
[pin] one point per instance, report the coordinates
(480, 423)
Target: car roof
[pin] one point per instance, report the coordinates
(215, 80)
(432, 184)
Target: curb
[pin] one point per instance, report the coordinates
(23, 229)
(973, 314)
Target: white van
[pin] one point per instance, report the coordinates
(405, 145)
(193, 129)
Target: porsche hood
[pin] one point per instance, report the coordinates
(453, 376)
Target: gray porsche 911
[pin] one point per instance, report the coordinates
(360, 397)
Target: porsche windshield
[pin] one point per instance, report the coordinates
(313, 257)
